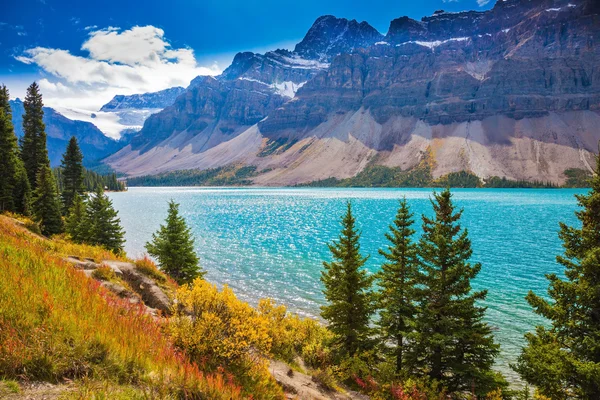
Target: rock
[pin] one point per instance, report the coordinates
(144, 287)
(152, 295)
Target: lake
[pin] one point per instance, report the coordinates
(270, 242)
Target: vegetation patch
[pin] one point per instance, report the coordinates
(277, 146)
(231, 175)
(577, 178)
(104, 273)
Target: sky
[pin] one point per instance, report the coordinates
(82, 53)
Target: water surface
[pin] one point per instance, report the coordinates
(271, 242)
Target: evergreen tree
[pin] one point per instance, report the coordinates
(14, 192)
(348, 291)
(76, 224)
(173, 247)
(22, 191)
(102, 225)
(72, 174)
(398, 279)
(8, 154)
(452, 344)
(33, 143)
(563, 360)
(46, 203)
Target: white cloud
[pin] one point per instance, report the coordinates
(49, 87)
(482, 3)
(136, 60)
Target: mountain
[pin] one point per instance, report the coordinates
(59, 129)
(511, 92)
(155, 100)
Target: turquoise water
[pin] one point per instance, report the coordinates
(271, 242)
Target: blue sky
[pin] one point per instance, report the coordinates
(87, 51)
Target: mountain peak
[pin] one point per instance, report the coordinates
(330, 36)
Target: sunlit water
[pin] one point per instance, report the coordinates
(272, 242)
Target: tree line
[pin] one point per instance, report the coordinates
(56, 201)
(419, 315)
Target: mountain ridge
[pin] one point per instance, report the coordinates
(517, 97)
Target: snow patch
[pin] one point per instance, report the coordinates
(382, 44)
(437, 43)
(287, 88)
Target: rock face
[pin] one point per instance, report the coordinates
(330, 36)
(214, 110)
(513, 91)
(59, 129)
(155, 100)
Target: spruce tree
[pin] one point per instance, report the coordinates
(398, 280)
(14, 192)
(173, 247)
(72, 174)
(102, 225)
(76, 225)
(452, 344)
(348, 291)
(22, 190)
(33, 143)
(8, 159)
(563, 359)
(46, 203)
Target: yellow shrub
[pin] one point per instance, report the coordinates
(216, 329)
(293, 336)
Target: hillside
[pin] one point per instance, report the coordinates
(510, 92)
(57, 326)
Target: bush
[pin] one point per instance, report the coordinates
(104, 273)
(147, 267)
(292, 336)
(216, 329)
(325, 378)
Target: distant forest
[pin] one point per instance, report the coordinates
(371, 176)
(92, 179)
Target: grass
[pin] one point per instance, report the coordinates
(57, 324)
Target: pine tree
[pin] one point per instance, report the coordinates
(76, 224)
(398, 279)
(563, 360)
(452, 344)
(22, 191)
(14, 192)
(348, 290)
(33, 143)
(72, 174)
(46, 203)
(102, 225)
(8, 154)
(173, 247)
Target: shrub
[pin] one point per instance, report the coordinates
(292, 336)
(216, 329)
(147, 267)
(104, 273)
(325, 378)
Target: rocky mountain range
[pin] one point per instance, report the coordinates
(59, 129)
(511, 92)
